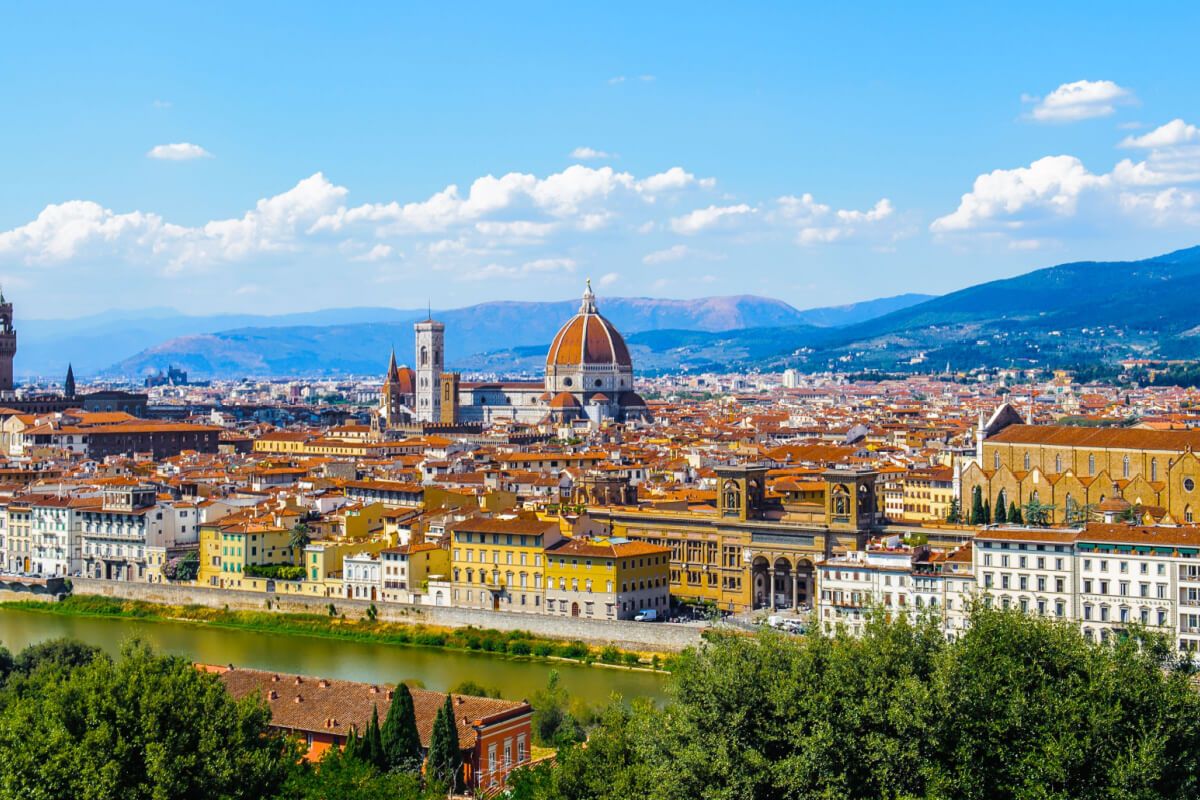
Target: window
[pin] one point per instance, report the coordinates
(1058, 463)
(1154, 469)
(1125, 467)
(1027, 462)
(1091, 464)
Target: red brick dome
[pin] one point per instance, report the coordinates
(588, 338)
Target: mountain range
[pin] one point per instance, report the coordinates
(1078, 312)
(335, 345)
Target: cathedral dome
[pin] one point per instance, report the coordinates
(588, 339)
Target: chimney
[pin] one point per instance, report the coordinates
(275, 678)
(272, 695)
(324, 684)
(299, 680)
(299, 699)
(458, 701)
(390, 694)
(374, 690)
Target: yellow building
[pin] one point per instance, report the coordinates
(323, 558)
(607, 578)
(226, 548)
(283, 442)
(407, 570)
(928, 494)
(497, 562)
(363, 521)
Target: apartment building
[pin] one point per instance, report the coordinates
(497, 562)
(1033, 569)
(409, 568)
(607, 578)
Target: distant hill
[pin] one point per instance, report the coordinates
(269, 346)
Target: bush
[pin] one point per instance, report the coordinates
(519, 647)
(609, 654)
(632, 659)
(543, 649)
(576, 650)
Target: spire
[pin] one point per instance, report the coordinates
(69, 383)
(588, 306)
(393, 374)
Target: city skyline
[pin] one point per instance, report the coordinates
(285, 164)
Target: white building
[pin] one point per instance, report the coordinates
(361, 575)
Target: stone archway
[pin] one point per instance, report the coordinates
(782, 587)
(760, 571)
(805, 579)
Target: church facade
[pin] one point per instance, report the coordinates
(589, 375)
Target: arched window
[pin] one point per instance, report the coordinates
(424, 355)
(1154, 469)
(1092, 464)
(1125, 467)
(1027, 462)
(1187, 514)
(996, 460)
(841, 501)
(1058, 463)
(1035, 496)
(733, 496)
(1070, 507)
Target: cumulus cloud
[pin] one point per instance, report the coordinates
(377, 253)
(181, 151)
(1175, 132)
(535, 267)
(818, 223)
(588, 153)
(704, 218)
(1057, 189)
(608, 279)
(1079, 100)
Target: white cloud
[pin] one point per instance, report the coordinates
(541, 266)
(647, 78)
(1060, 190)
(1175, 132)
(673, 253)
(161, 104)
(588, 152)
(703, 218)
(617, 79)
(377, 253)
(608, 279)
(1079, 100)
(181, 151)
(818, 223)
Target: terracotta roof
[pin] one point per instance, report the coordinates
(333, 706)
(588, 547)
(517, 526)
(588, 338)
(1115, 438)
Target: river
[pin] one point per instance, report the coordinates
(435, 668)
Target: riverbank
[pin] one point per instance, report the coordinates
(513, 644)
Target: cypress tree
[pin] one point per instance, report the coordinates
(1014, 513)
(976, 506)
(372, 743)
(1001, 512)
(987, 511)
(401, 742)
(445, 759)
(351, 751)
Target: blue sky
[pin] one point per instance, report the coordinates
(291, 156)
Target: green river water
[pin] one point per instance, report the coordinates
(436, 668)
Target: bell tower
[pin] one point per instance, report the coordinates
(429, 346)
(741, 491)
(8, 344)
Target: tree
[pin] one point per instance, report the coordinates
(976, 506)
(372, 743)
(987, 511)
(1037, 513)
(140, 727)
(401, 741)
(337, 777)
(444, 765)
(352, 750)
(62, 653)
(1014, 514)
(470, 687)
(1001, 512)
(552, 722)
(954, 513)
(299, 538)
(188, 567)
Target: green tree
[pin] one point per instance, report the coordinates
(401, 741)
(954, 513)
(553, 724)
(61, 653)
(1037, 513)
(372, 743)
(299, 538)
(353, 749)
(470, 687)
(444, 765)
(143, 726)
(336, 777)
(987, 511)
(1014, 514)
(1001, 515)
(976, 506)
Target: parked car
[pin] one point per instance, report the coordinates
(646, 615)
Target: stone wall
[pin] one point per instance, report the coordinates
(657, 636)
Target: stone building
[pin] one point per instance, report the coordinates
(1075, 470)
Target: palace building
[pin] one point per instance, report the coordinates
(1082, 471)
(589, 375)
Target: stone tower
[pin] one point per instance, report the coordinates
(389, 401)
(429, 350)
(69, 383)
(8, 344)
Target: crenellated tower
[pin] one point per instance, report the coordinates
(8, 344)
